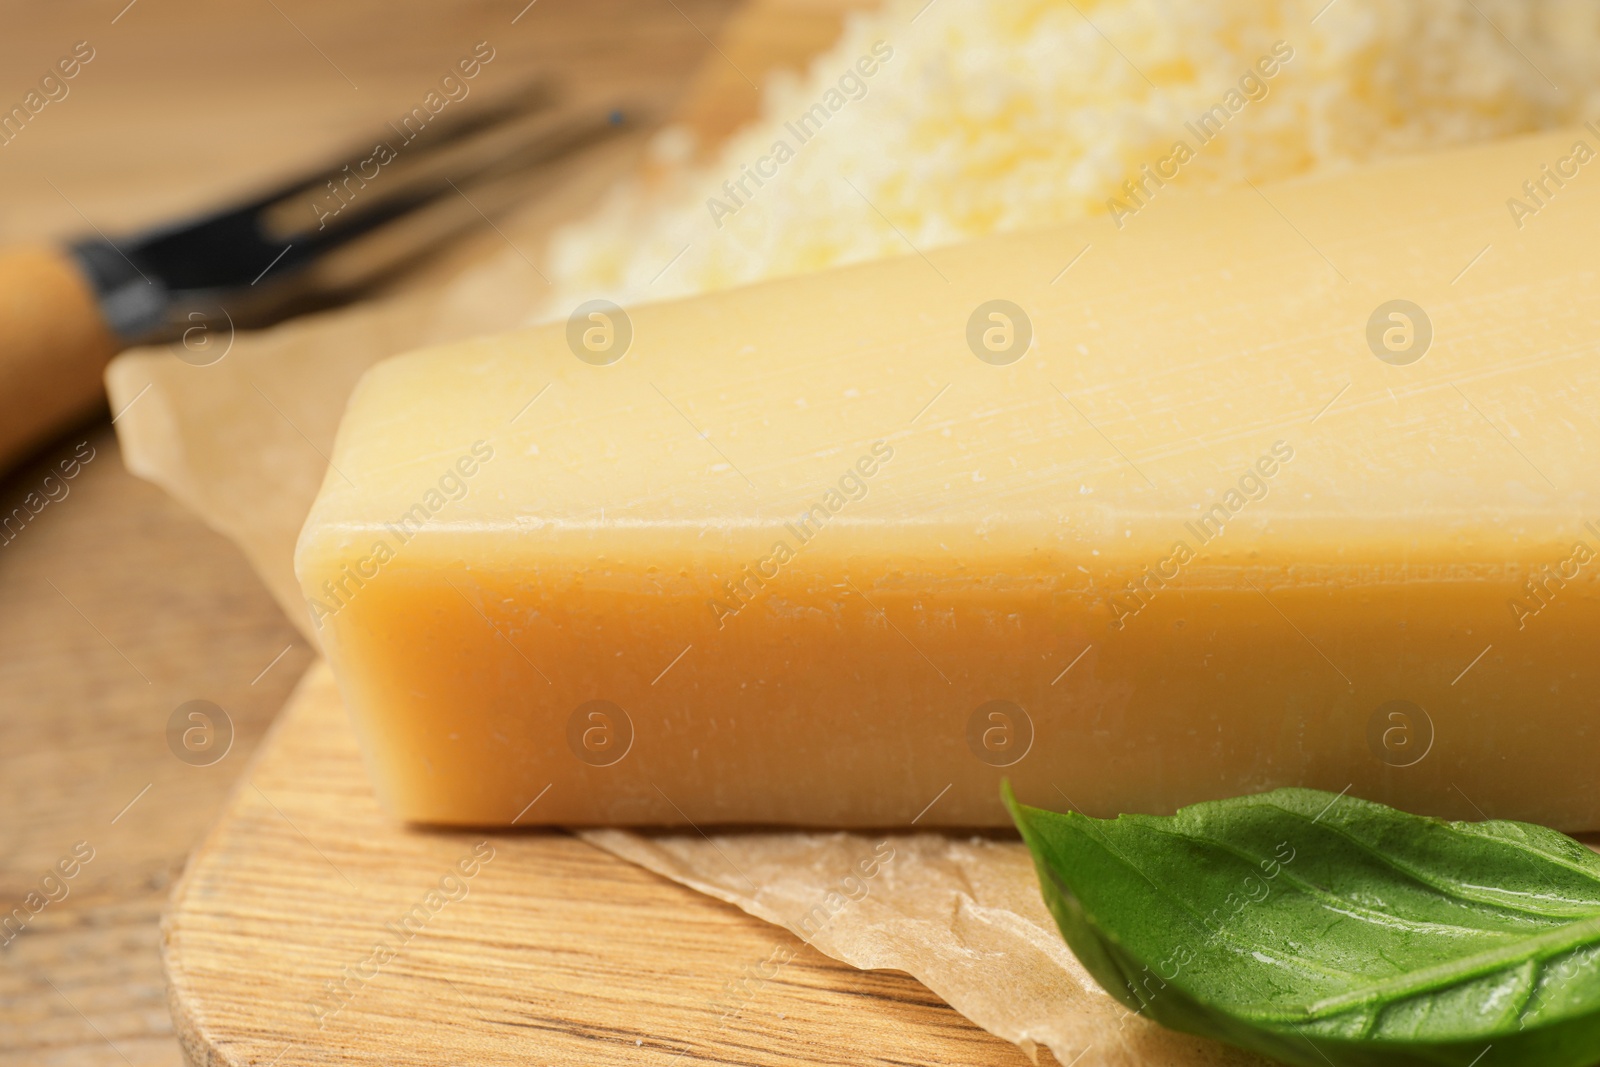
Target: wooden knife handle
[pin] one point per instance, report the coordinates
(54, 346)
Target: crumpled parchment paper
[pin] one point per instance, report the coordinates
(962, 915)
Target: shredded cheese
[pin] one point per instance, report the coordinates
(981, 116)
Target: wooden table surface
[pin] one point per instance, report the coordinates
(115, 605)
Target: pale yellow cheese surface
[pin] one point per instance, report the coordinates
(556, 533)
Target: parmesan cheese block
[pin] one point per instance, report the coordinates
(1294, 485)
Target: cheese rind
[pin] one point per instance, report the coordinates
(809, 553)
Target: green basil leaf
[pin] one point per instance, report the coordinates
(1325, 930)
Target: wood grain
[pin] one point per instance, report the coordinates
(288, 941)
(116, 606)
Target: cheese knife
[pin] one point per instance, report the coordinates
(318, 241)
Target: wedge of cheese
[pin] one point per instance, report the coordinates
(1298, 485)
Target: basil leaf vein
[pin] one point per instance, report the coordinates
(1322, 929)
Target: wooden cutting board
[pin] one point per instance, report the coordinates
(310, 929)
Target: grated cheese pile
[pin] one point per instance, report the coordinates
(995, 115)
